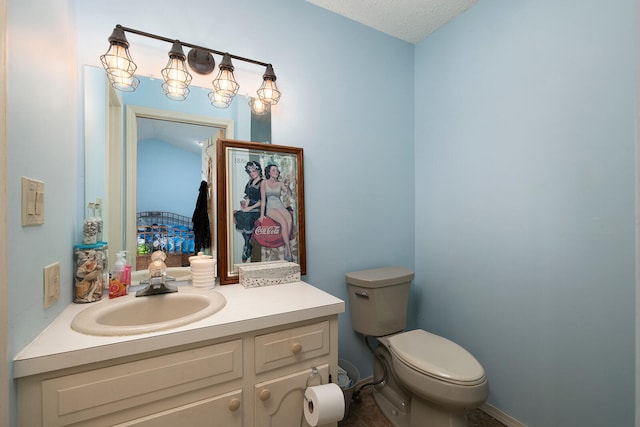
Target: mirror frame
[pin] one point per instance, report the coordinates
(133, 112)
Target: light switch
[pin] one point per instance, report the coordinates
(40, 203)
(32, 201)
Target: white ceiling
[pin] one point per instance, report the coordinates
(185, 136)
(408, 20)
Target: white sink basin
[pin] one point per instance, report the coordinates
(131, 315)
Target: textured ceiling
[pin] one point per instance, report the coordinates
(408, 20)
(183, 135)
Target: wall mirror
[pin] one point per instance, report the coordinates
(129, 141)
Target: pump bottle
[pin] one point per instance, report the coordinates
(120, 276)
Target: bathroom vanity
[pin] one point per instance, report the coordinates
(246, 365)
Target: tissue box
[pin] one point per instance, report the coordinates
(268, 273)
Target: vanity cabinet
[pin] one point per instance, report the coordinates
(251, 379)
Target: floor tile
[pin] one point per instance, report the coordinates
(365, 413)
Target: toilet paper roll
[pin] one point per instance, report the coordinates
(323, 404)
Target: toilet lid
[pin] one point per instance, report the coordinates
(436, 356)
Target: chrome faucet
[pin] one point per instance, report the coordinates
(157, 285)
(157, 277)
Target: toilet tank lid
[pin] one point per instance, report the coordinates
(380, 277)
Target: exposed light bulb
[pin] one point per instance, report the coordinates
(118, 64)
(268, 92)
(218, 100)
(175, 75)
(258, 107)
(225, 83)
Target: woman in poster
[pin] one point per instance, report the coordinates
(250, 206)
(271, 189)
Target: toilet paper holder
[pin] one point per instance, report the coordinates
(323, 403)
(314, 373)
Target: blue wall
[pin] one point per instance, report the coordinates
(525, 229)
(496, 158)
(357, 137)
(168, 178)
(347, 101)
(43, 141)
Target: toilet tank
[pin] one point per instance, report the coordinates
(379, 299)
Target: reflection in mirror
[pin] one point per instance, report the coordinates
(111, 146)
(149, 230)
(172, 161)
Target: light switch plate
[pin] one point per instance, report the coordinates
(32, 202)
(51, 284)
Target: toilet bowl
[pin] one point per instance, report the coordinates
(438, 370)
(428, 380)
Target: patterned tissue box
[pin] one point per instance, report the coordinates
(268, 273)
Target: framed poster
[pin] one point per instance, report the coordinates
(260, 205)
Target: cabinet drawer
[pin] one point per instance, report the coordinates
(224, 410)
(83, 396)
(292, 345)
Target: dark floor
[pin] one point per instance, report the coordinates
(365, 413)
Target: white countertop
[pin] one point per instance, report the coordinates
(250, 309)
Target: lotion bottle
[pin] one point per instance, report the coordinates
(117, 281)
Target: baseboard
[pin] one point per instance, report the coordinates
(504, 418)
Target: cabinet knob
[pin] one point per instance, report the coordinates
(265, 394)
(296, 348)
(234, 404)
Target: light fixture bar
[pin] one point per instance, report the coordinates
(193, 46)
(120, 69)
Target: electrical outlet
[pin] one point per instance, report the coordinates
(51, 284)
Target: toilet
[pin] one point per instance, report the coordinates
(428, 380)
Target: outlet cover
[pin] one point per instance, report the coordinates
(51, 284)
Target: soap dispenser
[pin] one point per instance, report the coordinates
(118, 280)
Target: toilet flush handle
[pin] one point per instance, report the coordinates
(362, 294)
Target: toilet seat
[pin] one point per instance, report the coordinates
(436, 357)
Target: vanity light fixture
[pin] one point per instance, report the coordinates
(175, 74)
(225, 84)
(268, 92)
(118, 63)
(120, 69)
(258, 107)
(218, 100)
